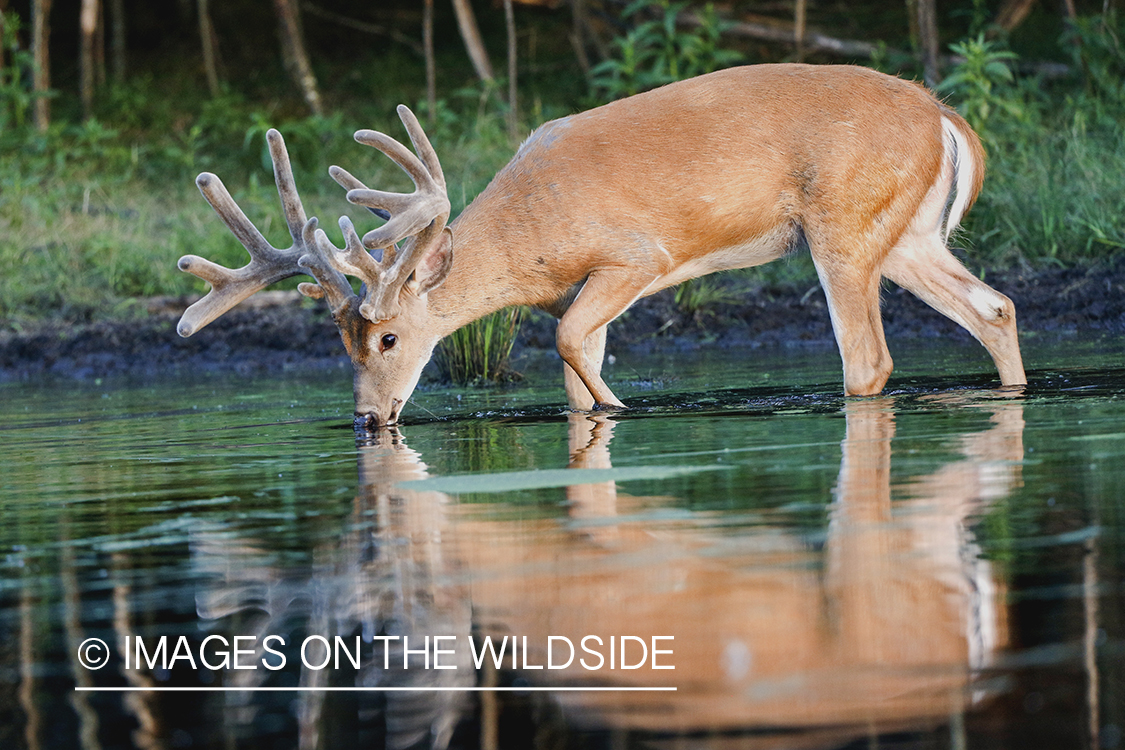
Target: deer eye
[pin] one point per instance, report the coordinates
(387, 342)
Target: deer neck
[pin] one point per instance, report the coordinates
(481, 280)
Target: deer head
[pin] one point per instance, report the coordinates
(385, 331)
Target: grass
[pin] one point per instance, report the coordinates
(1052, 197)
(479, 352)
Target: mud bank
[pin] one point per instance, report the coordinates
(281, 331)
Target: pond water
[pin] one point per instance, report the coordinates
(744, 559)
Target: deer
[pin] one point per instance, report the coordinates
(732, 169)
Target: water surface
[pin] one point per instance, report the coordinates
(940, 566)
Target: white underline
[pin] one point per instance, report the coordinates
(373, 689)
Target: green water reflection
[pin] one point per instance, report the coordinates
(937, 567)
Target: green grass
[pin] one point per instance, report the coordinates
(1052, 197)
(478, 353)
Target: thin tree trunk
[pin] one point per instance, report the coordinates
(207, 39)
(799, 16)
(928, 44)
(578, 34)
(470, 34)
(99, 48)
(1012, 13)
(365, 26)
(117, 39)
(513, 51)
(431, 64)
(40, 48)
(295, 54)
(88, 26)
(3, 10)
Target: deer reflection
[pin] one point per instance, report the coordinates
(387, 575)
(885, 627)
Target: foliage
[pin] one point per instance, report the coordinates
(1052, 193)
(1053, 196)
(16, 95)
(1097, 50)
(479, 352)
(982, 81)
(698, 296)
(657, 51)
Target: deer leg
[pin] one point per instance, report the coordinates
(606, 294)
(853, 303)
(924, 266)
(577, 395)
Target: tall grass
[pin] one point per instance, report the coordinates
(1053, 193)
(479, 352)
(1052, 197)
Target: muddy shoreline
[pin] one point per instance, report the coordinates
(286, 333)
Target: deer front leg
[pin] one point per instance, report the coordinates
(580, 337)
(578, 396)
(853, 303)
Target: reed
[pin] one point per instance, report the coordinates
(479, 352)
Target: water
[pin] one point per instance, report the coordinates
(937, 567)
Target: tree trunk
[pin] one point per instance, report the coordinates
(800, 13)
(467, 23)
(117, 39)
(513, 51)
(431, 65)
(99, 48)
(578, 34)
(207, 39)
(88, 26)
(295, 55)
(928, 45)
(3, 52)
(40, 47)
(1012, 13)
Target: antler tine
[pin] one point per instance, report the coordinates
(268, 264)
(286, 186)
(421, 144)
(353, 259)
(332, 284)
(383, 277)
(410, 213)
(420, 216)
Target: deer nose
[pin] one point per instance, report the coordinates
(366, 422)
(369, 420)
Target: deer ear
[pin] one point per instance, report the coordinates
(435, 264)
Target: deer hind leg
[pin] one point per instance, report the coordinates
(578, 396)
(581, 333)
(922, 264)
(853, 303)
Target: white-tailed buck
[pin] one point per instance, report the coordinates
(596, 210)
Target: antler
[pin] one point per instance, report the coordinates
(268, 264)
(417, 217)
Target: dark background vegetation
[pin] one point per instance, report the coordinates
(97, 198)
